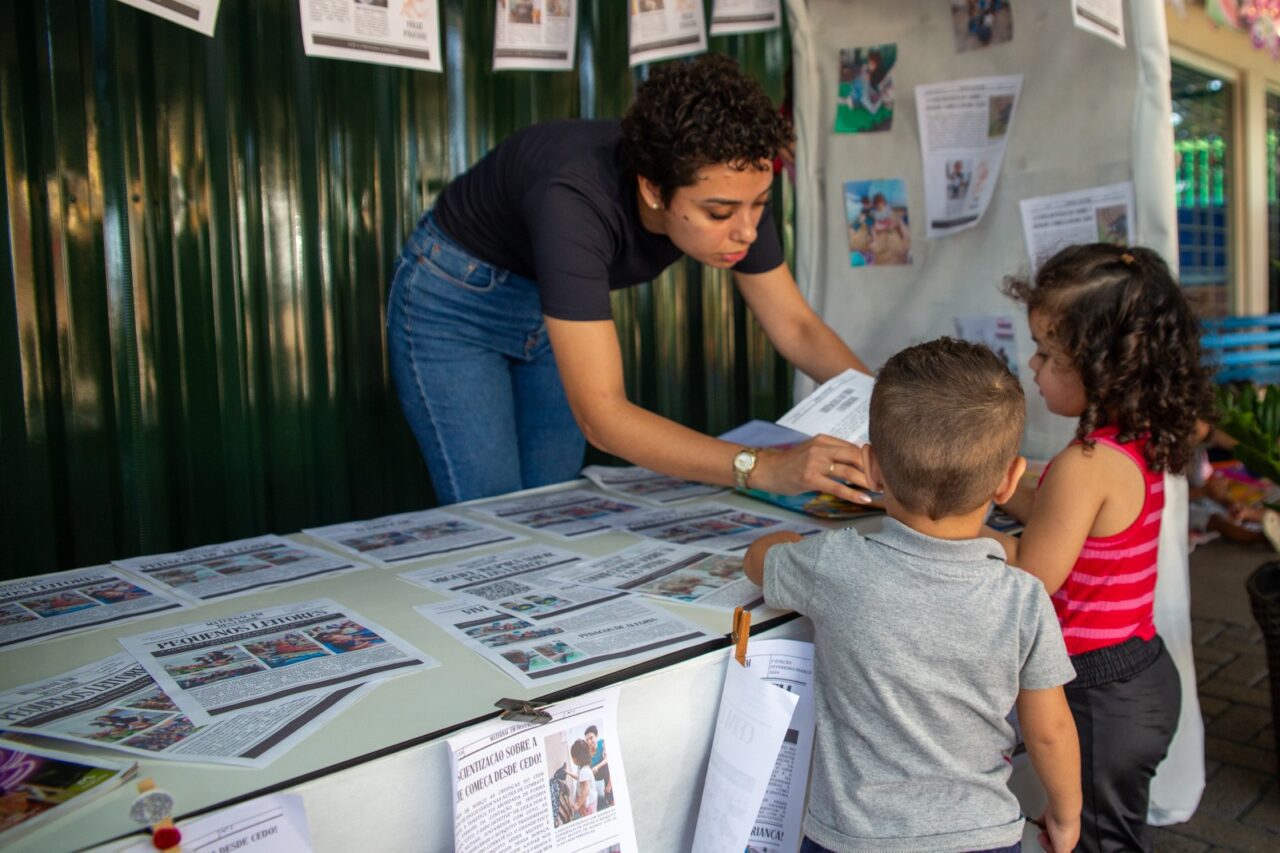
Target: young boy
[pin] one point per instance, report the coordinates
(925, 638)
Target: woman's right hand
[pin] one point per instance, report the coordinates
(821, 464)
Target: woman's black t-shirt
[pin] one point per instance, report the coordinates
(551, 203)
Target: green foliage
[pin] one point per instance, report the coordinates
(1251, 415)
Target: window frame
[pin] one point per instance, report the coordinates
(1196, 42)
(1236, 211)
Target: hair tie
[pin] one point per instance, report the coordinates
(1127, 258)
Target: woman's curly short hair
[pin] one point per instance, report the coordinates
(1118, 315)
(693, 114)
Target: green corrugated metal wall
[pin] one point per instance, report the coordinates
(196, 238)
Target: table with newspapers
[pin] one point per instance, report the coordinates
(334, 663)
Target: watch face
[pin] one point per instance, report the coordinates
(743, 460)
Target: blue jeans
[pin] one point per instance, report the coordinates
(475, 373)
(810, 846)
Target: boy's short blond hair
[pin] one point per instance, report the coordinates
(946, 421)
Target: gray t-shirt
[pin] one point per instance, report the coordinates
(921, 647)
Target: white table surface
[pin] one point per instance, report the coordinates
(378, 773)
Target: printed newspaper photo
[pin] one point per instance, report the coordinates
(252, 659)
(44, 606)
(558, 786)
(115, 703)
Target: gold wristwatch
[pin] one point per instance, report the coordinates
(743, 464)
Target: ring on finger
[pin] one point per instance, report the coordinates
(831, 469)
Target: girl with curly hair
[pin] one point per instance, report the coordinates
(1118, 347)
(501, 338)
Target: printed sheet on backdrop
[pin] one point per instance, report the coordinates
(664, 30)
(533, 35)
(1108, 126)
(745, 16)
(405, 33)
(198, 15)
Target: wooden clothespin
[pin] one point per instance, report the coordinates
(741, 631)
(518, 711)
(153, 807)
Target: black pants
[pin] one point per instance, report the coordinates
(1125, 727)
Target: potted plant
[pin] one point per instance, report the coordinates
(1250, 414)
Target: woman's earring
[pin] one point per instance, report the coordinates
(655, 205)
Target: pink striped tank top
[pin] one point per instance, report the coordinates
(1109, 594)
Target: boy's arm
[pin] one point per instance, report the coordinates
(1049, 733)
(753, 562)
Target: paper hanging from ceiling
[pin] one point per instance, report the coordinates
(664, 29)
(535, 35)
(404, 33)
(198, 15)
(729, 17)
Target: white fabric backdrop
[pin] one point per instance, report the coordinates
(1090, 113)
(1175, 792)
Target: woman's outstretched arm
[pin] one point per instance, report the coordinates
(590, 363)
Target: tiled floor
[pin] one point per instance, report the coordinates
(1240, 809)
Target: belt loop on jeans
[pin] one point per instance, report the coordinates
(1114, 663)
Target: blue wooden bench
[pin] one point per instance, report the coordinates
(1243, 349)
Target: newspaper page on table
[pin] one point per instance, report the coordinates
(664, 29)
(649, 486)
(517, 582)
(1103, 18)
(787, 664)
(542, 599)
(570, 514)
(198, 15)
(531, 565)
(536, 648)
(248, 660)
(714, 526)
(557, 786)
(270, 824)
(407, 536)
(116, 704)
(235, 568)
(1096, 215)
(405, 33)
(45, 606)
(751, 727)
(839, 407)
(42, 785)
(964, 130)
(538, 35)
(745, 16)
(672, 573)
